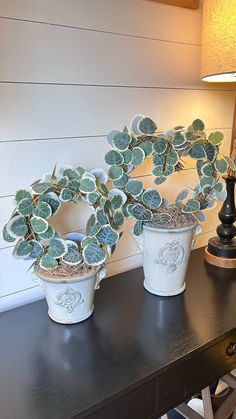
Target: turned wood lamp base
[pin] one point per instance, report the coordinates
(221, 262)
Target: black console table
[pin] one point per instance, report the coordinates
(137, 357)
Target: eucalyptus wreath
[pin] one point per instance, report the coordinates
(36, 238)
(130, 148)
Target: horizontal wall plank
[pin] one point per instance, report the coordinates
(130, 17)
(24, 296)
(44, 111)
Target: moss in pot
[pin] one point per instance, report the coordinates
(165, 231)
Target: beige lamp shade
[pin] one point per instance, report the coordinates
(219, 41)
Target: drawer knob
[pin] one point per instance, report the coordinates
(231, 349)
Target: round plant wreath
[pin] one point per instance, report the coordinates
(37, 240)
(131, 147)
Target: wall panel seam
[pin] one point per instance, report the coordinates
(17, 292)
(81, 28)
(116, 86)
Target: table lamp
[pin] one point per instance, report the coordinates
(218, 64)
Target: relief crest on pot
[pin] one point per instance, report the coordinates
(171, 255)
(68, 298)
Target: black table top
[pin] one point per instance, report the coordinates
(48, 370)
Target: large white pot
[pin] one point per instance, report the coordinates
(71, 300)
(165, 255)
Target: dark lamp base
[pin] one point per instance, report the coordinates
(223, 250)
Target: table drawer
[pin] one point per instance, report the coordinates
(139, 404)
(194, 373)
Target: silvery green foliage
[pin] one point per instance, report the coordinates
(129, 149)
(30, 222)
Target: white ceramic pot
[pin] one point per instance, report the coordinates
(71, 300)
(165, 255)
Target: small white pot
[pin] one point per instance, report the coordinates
(165, 255)
(71, 300)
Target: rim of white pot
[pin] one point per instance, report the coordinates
(63, 280)
(171, 230)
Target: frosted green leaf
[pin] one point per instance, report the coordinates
(197, 152)
(221, 165)
(158, 171)
(140, 213)
(43, 210)
(57, 248)
(39, 225)
(40, 188)
(218, 187)
(87, 185)
(169, 170)
(172, 158)
(134, 187)
(138, 156)
(121, 141)
(221, 196)
(66, 195)
(118, 218)
(230, 163)
(158, 160)
(22, 249)
(159, 180)
(17, 227)
(114, 157)
(147, 126)
(125, 210)
(72, 257)
(107, 236)
(151, 198)
(116, 202)
(181, 196)
(6, 236)
(138, 228)
(114, 192)
(93, 255)
(48, 234)
(179, 139)
(190, 136)
(127, 155)
(207, 180)
(161, 219)
(101, 217)
(110, 137)
(198, 125)
(22, 194)
(115, 172)
(71, 172)
(52, 199)
(100, 175)
(80, 170)
(48, 262)
(210, 152)
(160, 145)
(199, 166)
(37, 249)
(95, 230)
(191, 205)
(206, 189)
(63, 181)
(92, 198)
(134, 123)
(25, 206)
(147, 147)
(89, 240)
(73, 185)
(90, 224)
(103, 190)
(207, 169)
(216, 138)
(165, 202)
(121, 182)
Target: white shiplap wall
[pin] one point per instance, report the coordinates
(70, 72)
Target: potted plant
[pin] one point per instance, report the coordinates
(165, 231)
(69, 268)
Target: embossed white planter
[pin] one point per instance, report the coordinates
(165, 255)
(71, 300)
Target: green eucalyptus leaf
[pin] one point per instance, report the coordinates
(40, 188)
(87, 185)
(147, 126)
(159, 180)
(89, 240)
(140, 213)
(90, 224)
(48, 234)
(92, 198)
(114, 157)
(43, 210)
(118, 218)
(152, 198)
(160, 145)
(6, 236)
(37, 249)
(22, 249)
(107, 236)
(134, 187)
(115, 172)
(121, 182)
(39, 225)
(158, 160)
(219, 187)
(198, 125)
(179, 140)
(100, 175)
(172, 158)
(17, 227)
(138, 156)
(127, 156)
(101, 217)
(138, 228)
(230, 163)
(110, 137)
(169, 170)
(197, 152)
(63, 181)
(121, 141)
(73, 185)
(161, 218)
(191, 205)
(207, 169)
(66, 195)
(93, 255)
(71, 172)
(25, 206)
(221, 165)
(207, 180)
(58, 248)
(210, 152)
(216, 138)
(47, 262)
(116, 202)
(72, 257)
(181, 196)
(147, 147)
(190, 136)
(52, 199)
(158, 171)
(22, 194)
